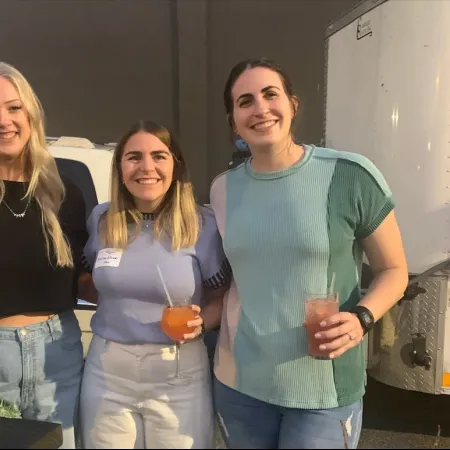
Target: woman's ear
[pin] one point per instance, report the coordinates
(295, 105)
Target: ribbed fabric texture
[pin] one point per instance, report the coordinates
(285, 233)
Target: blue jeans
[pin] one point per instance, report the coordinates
(249, 423)
(40, 371)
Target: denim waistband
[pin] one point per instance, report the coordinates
(55, 323)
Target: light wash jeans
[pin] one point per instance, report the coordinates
(249, 423)
(41, 367)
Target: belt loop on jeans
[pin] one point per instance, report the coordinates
(50, 326)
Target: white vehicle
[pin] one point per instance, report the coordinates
(88, 165)
(388, 98)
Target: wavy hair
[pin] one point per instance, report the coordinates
(39, 166)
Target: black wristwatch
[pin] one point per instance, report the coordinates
(365, 317)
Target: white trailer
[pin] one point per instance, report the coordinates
(388, 98)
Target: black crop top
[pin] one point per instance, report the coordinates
(28, 282)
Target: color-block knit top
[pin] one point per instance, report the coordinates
(284, 234)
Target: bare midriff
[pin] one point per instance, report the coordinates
(23, 320)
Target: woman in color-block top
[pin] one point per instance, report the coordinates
(293, 218)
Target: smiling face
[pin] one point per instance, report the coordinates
(14, 124)
(262, 111)
(147, 167)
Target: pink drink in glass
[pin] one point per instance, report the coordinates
(318, 308)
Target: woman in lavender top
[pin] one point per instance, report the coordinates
(131, 396)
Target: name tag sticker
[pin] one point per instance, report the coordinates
(108, 257)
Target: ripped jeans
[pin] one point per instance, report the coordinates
(40, 371)
(249, 423)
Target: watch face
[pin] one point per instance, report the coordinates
(365, 317)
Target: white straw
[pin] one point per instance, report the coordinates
(333, 279)
(165, 287)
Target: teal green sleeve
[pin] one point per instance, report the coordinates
(373, 197)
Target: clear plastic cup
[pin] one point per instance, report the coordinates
(317, 308)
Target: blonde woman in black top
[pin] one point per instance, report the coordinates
(42, 232)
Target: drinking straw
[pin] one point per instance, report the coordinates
(164, 285)
(333, 279)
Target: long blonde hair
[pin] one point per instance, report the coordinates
(40, 168)
(177, 216)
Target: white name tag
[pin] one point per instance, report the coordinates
(108, 257)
